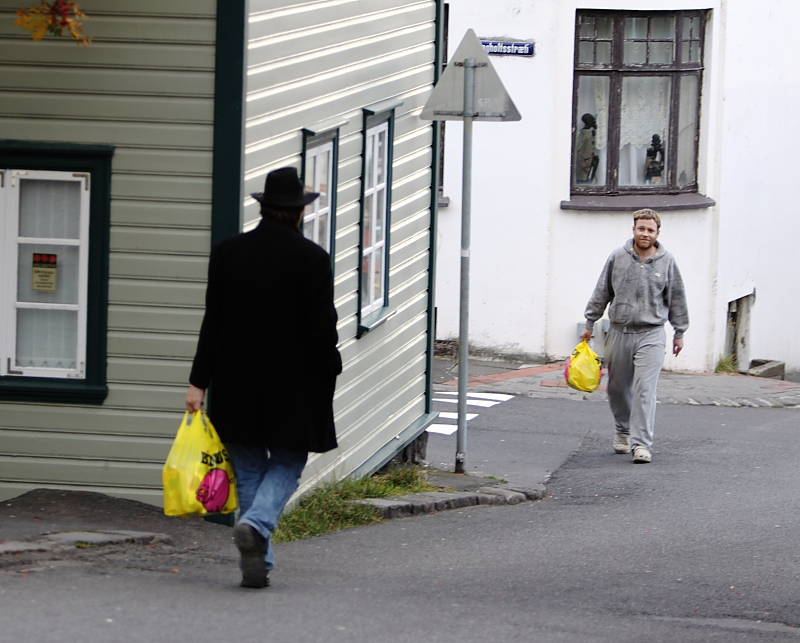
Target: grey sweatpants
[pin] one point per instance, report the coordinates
(634, 360)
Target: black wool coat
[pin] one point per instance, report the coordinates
(267, 345)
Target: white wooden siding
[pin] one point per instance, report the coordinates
(145, 85)
(313, 61)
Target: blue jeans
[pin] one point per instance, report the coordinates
(265, 480)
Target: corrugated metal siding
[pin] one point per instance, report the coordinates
(313, 61)
(146, 86)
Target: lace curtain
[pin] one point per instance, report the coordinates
(47, 334)
(644, 112)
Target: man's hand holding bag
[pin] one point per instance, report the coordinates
(198, 475)
(583, 371)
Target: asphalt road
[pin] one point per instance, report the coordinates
(700, 545)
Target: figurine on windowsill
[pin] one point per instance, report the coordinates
(654, 163)
(586, 158)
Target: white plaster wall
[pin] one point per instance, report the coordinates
(533, 264)
(580, 242)
(759, 224)
(511, 181)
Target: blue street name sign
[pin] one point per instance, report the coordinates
(502, 48)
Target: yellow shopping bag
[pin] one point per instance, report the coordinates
(198, 475)
(583, 370)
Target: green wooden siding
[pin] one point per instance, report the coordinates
(146, 86)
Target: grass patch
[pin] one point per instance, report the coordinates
(495, 478)
(84, 545)
(727, 364)
(328, 508)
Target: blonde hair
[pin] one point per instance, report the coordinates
(647, 213)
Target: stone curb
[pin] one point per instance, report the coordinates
(69, 539)
(416, 504)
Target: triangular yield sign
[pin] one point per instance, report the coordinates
(492, 102)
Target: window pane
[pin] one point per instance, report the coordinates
(634, 53)
(661, 52)
(591, 136)
(604, 25)
(365, 281)
(586, 26)
(321, 178)
(586, 52)
(34, 270)
(604, 52)
(308, 212)
(368, 179)
(323, 238)
(662, 27)
(691, 28)
(687, 131)
(694, 52)
(686, 55)
(644, 130)
(49, 209)
(377, 279)
(308, 228)
(368, 243)
(380, 215)
(636, 28)
(47, 338)
(381, 153)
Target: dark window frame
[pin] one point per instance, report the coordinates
(376, 115)
(616, 71)
(95, 160)
(315, 137)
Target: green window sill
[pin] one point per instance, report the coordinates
(16, 389)
(372, 321)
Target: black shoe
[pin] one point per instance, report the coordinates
(252, 548)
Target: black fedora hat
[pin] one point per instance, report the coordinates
(283, 189)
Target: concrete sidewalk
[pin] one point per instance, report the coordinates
(547, 381)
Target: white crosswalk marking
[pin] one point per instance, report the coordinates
(484, 400)
(446, 415)
(484, 403)
(499, 397)
(444, 429)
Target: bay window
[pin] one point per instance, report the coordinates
(636, 101)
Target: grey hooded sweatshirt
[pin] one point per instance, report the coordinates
(640, 293)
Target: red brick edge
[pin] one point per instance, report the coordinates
(509, 375)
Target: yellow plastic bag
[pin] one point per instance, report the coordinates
(198, 475)
(583, 370)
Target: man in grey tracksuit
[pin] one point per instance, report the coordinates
(643, 288)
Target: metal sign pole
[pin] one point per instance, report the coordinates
(450, 100)
(466, 206)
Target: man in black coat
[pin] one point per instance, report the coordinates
(267, 347)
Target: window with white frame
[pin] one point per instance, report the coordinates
(319, 176)
(374, 218)
(44, 217)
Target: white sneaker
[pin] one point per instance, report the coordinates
(622, 443)
(641, 455)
